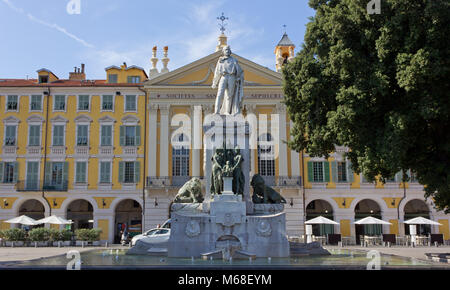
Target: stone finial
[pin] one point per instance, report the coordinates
(154, 60)
(165, 60)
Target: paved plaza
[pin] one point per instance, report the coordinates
(8, 254)
(416, 253)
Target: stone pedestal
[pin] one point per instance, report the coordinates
(232, 132)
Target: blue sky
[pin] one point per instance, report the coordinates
(41, 34)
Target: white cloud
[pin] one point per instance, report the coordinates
(50, 25)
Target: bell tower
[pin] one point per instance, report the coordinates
(284, 51)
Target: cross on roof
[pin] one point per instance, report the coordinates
(222, 25)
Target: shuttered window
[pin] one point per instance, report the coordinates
(60, 103)
(36, 103)
(130, 103)
(80, 176)
(129, 172)
(35, 135)
(12, 103)
(106, 135)
(10, 136)
(82, 137)
(318, 171)
(10, 172)
(130, 135)
(83, 103)
(105, 172)
(58, 135)
(32, 182)
(107, 103)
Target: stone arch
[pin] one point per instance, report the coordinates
(81, 213)
(365, 207)
(320, 207)
(380, 202)
(69, 200)
(127, 214)
(17, 205)
(32, 208)
(409, 199)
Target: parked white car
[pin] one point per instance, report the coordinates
(158, 235)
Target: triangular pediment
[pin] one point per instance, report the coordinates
(106, 119)
(11, 120)
(201, 73)
(130, 119)
(35, 119)
(83, 119)
(59, 119)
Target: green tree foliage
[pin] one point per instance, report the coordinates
(378, 84)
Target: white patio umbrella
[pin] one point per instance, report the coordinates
(321, 220)
(55, 220)
(23, 219)
(422, 221)
(371, 221)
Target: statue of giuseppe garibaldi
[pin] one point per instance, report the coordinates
(229, 81)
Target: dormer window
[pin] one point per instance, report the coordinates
(134, 79)
(112, 79)
(43, 79)
(12, 103)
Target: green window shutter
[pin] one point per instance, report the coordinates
(121, 171)
(138, 135)
(48, 172)
(66, 172)
(334, 174)
(34, 135)
(137, 171)
(326, 166)
(122, 135)
(105, 172)
(349, 172)
(16, 172)
(2, 165)
(106, 135)
(310, 171)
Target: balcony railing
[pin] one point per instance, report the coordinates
(129, 150)
(105, 150)
(9, 150)
(58, 150)
(33, 150)
(82, 150)
(39, 185)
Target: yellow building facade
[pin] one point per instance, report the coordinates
(110, 152)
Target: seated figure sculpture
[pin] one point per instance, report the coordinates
(263, 193)
(190, 192)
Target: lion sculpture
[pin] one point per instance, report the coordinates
(263, 193)
(190, 192)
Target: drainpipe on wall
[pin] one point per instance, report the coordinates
(404, 195)
(45, 149)
(144, 178)
(304, 194)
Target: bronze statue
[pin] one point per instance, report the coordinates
(218, 161)
(227, 162)
(263, 193)
(238, 175)
(190, 192)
